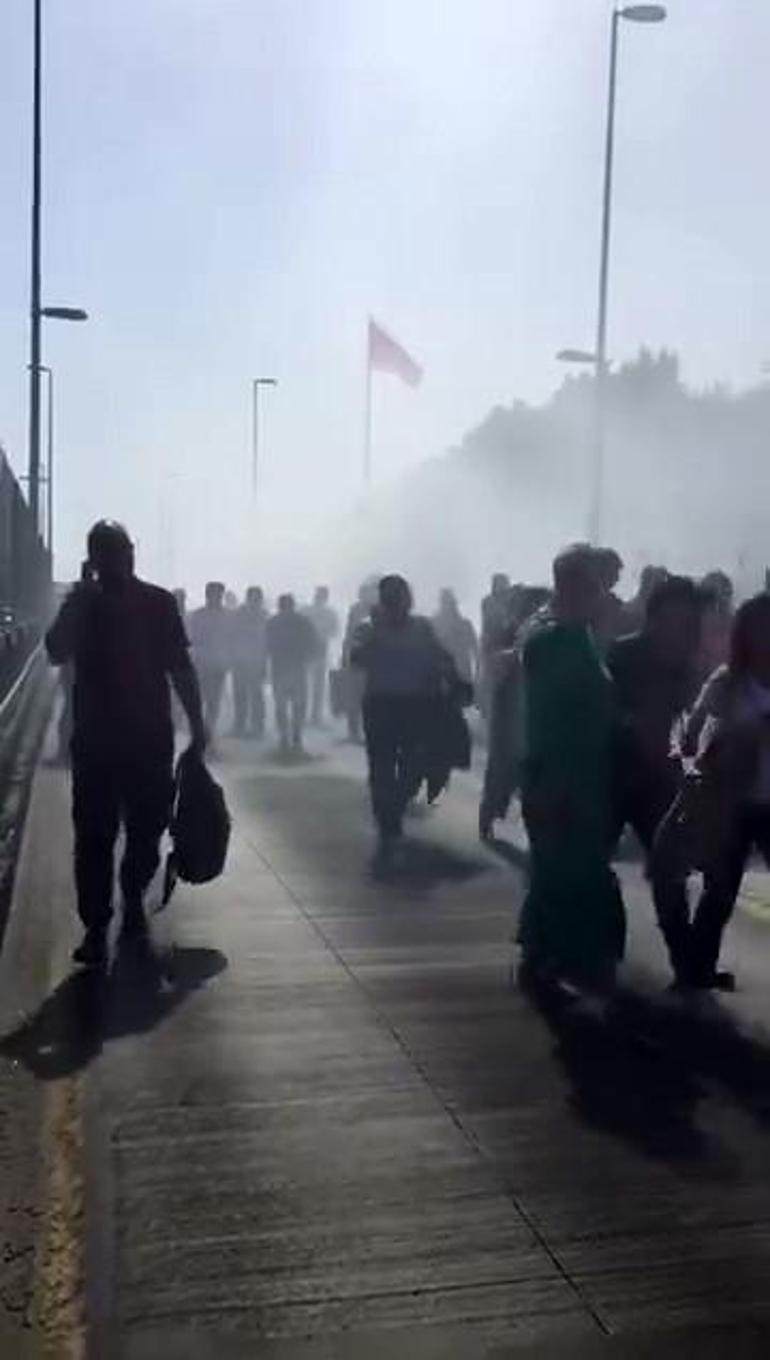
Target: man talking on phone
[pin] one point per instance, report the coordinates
(125, 640)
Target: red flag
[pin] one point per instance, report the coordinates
(388, 356)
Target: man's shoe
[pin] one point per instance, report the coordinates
(92, 950)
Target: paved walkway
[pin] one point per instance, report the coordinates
(328, 1126)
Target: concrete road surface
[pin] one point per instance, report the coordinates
(324, 1123)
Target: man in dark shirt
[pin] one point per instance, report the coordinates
(292, 645)
(656, 680)
(125, 640)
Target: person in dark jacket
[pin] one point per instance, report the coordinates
(655, 673)
(725, 753)
(292, 646)
(125, 641)
(403, 665)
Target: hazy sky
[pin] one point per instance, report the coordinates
(231, 186)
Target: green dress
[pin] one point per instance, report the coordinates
(573, 919)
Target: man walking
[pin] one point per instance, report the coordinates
(125, 640)
(249, 655)
(404, 666)
(327, 626)
(211, 638)
(292, 646)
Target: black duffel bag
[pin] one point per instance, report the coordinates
(200, 826)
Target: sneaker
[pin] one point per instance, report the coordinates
(92, 950)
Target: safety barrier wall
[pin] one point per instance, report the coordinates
(24, 580)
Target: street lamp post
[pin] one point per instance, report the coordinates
(255, 386)
(34, 299)
(37, 311)
(639, 14)
(49, 461)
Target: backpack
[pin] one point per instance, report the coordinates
(200, 826)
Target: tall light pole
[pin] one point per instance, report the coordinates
(37, 311)
(34, 296)
(638, 14)
(255, 386)
(49, 461)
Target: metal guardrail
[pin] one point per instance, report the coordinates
(10, 702)
(17, 642)
(24, 712)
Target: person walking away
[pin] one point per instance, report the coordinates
(572, 924)
(178, 716)
(292, 646)
(611, 622)
(249, 658)
(717, 621)
(495, 615)
(327, 626)
(502, 773)
(403, 665)
(726, 759)
(635, 609)
(125, 641)
(655, 673)
(359, 613)
(211, 638)
(180, 597)
(457, 636)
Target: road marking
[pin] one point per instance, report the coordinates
(58, 1307)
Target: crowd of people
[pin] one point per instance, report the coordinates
(651, 716)
(605, 718)
(287, 651)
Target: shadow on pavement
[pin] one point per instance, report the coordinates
(639, 1070)
(425, 864)
(88, 1009)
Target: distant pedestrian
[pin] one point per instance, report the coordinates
(327, 626)
(718, 611)
(180, 596)
(403, 665)
(497, 609)
(360, 612)
(211, 638)
(457, 636)
(635, 610)
(611, 621)
(249, 659)
(292, 646)
(125, 641)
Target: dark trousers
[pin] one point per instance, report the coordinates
(644, 799)
(249, 700)
(396, 730)
(133, 790)
(290, 694)
(721, 884)
(212, 682)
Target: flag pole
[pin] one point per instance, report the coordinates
(368, 416)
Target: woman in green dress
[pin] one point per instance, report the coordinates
(573, 921)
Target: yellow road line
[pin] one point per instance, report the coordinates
(58, 1307)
